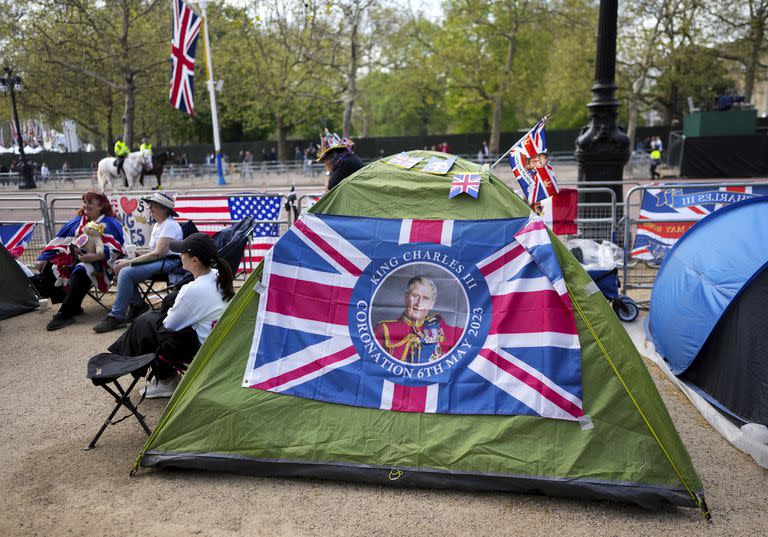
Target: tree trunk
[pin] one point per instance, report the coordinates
(130, 109)
(110, 134)
(496, 115)
(497, 111)
(351, 81)
(757, 32)
(632, 107)
(130, 88)
(282, 135)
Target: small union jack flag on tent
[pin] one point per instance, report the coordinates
(186, 29)
(530, 165)
(466, 183)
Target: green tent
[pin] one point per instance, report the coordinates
(632, 453)
(17, 295)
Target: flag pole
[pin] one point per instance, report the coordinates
(212, 95)
(500, 158)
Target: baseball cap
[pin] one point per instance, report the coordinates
(198, 245)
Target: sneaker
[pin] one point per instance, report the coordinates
(156, 389)
(59, 321)
(135, 311)
(108, 324)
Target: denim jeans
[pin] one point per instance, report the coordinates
(128, 279)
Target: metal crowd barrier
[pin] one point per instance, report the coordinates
(641, 274)
(306, 201)
(28, 208)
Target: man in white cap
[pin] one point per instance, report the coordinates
(159, 260)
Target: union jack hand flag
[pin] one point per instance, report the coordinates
(186, 29)
(442, 316)
(16, 237)
(530, 165)
(467, 183)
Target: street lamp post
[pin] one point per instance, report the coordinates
(602, 149)
(12, 84)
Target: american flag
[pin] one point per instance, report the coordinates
(186, 29)
(537, 181)
(670, 210)
(517, 350)
(467, 183)
(16, 237)
(213, 213)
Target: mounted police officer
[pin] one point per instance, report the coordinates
(121, 151)
(145, 146)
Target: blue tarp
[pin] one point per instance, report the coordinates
(702, 274)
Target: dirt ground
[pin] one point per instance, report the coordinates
(50, 486)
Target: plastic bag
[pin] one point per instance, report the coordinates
(594, 256)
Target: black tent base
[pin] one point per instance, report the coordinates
(646, 496)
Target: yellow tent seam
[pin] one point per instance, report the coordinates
(693, 496)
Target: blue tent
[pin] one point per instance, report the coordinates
(709, 309)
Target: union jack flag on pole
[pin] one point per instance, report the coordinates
(465, 183)
(16, 237)
(530, 165)
(440, 316)
(186, 29)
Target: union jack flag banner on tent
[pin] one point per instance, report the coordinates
(670, 210)
(186, 29)
(16, 237)
(442, 316)
(530, 165)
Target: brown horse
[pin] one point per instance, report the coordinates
(158, 164)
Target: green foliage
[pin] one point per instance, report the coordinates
(289, 71)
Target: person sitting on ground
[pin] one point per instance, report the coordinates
(161, 259)
(65, 278)
(174, 337)
(339, 159)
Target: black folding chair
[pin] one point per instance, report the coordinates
(151, 294)
(232, 241)
(230, 244)
(105, 370)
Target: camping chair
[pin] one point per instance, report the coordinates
(105, 369)
(230, 245)
(231, 242)
(98, 296)
(150, 294)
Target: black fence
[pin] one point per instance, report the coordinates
(367, 148)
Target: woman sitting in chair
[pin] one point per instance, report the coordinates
(66, 275)
(176, 336)
(161, 259)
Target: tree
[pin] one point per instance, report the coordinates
(119, 47)
(640, 31)
(273, 81)
(479, 47)
(405, 96)
(740, 36)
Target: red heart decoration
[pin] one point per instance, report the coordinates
(128, 205)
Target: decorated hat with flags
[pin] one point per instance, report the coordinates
(332, 142)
